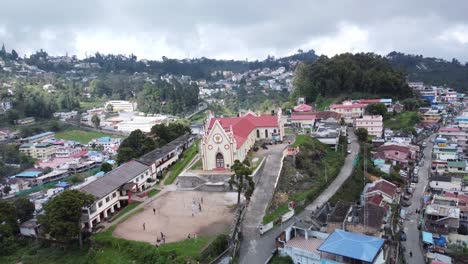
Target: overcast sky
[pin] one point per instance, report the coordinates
(236, 29)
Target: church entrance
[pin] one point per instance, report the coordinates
(219, 160)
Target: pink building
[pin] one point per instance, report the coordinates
(372, 123)
(349, 109)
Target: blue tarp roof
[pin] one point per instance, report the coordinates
(427, 238)
(104, 139)
(352, 245)
(99, 174)
(27, 174)
(62, 184)
(39, 135)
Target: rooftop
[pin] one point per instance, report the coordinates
(114, 179)
(162, 152)
(443, 210)
(40, 135)
(352, 245)
(28, 174)
(310, 244)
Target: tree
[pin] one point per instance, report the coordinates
(361, 134)
(24, 209)
(106, 167)
(8, 226)
(377, 109)
(242, 180)
(96, 121)
(14, 55)
(6, 189)
(12, 115)
(110, 108)
(61, 219)
(3, 52)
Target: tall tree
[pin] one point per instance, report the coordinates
(61, 219)
(242, 180)
(3, 52)
(24, 209)
(8, 226)
(362, 134)
(376, 109)
(106, 167)
(96, 121)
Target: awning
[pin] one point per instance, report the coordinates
(427, 238)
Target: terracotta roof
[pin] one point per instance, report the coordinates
(303, 108)
(303, 117)
(375, 199)
(310, 244)
(369, 101)
(384, 186)
(328, 114)
(394, 147)
(243, 126)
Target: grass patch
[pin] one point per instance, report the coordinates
(302, 181)
(179, 166)
(404, 120)
(153, 192)
(80, 135)
(197, 165)
(199, 117)
(276, 214)
(127, 209)
(300, 140)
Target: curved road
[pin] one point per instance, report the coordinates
(256, 248)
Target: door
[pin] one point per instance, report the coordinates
(219, 160)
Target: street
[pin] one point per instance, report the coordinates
(412, 244)
(256, 248)
(251, 248)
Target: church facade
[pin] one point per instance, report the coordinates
(228, 139)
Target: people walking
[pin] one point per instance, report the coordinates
(144, 226)
(154, 211)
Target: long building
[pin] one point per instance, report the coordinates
(113, 190)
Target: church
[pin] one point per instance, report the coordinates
(227, 139)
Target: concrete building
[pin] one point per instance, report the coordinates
(372, 123)
(121, 105)
(39, 137)
(113, 190)
(229, 139)
(38, 150)
(349, 110)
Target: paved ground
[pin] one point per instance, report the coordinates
(257, 249)
(174, 217)
(412, 244)
(261, 197)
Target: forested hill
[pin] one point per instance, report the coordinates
(197, 68)
(432, 70)
(345, 74)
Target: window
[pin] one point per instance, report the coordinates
(107, 199)
(396, 152)
(266, 133)
(258, 133)
(99, 204)
(114, 194)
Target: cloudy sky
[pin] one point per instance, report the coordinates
(236, 29)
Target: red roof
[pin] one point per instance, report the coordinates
(460, 196)
(303, 108)
(369, 101)
(383, 186)
(375, 199)
(80, 154)
(347, 106)
(243, 126)
(449, 129)
(303, 117)
(394, 148)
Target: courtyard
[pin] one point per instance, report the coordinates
(178, 214)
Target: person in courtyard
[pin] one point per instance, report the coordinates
(144, 226)
(154, 211)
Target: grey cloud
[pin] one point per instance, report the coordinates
(236, 29)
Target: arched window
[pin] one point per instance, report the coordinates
(266, 133)
(258, 133)
(219, 160)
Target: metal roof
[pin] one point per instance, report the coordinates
(352, 245)
(114, 179)
(162, 152)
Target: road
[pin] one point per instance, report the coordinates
(410, 226)
(256, 248)
(264, 189)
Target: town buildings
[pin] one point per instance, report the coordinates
(372, 123)
(120, 105)
(349, 110)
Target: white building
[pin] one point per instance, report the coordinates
(372, 123)
(121, 105)
(114, 190)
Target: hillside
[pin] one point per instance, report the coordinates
(432, 71)
(365, 73)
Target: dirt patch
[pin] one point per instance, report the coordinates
(177, 214)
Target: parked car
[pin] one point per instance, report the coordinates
(348, 151)
(415, 179)
(349, 141)
(424, 144)
(264, 146)
(402, 236)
